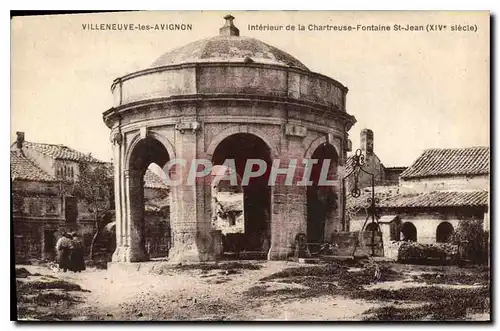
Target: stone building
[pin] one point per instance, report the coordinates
(439, 190)
(43, 206)
(383, 176)
(227, 97)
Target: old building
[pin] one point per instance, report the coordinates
(382, 175)
(440, 189)
(43, 206)
(227, 97)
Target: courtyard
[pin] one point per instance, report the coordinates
(256, 290)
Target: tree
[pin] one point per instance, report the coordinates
(472, 239)
(94, 189)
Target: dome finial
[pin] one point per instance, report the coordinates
(229, 29)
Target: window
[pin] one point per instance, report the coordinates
(71, 209)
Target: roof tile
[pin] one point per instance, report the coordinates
(22, 168)
(476, 198)
(152, 180)
(61, 152)
(449, 162)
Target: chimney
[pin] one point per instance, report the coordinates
(20, 139)
(367, 141)
(229, 29)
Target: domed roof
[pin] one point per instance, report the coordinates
(228, 46)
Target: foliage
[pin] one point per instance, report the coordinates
(417, 252)
(94, 188)
(473, 240)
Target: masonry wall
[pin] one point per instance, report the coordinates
(258, 79)
(38, 218)
(445, 183)
(43, 161)
(426, 223)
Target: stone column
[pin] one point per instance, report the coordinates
(191, 225)
(134, 183)
(288, 220)
(120, 253)
(289, 202)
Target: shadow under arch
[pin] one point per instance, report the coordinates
(322, 200)
(256, 236)
(143, 153)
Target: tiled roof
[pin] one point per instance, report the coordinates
(61, 152)
(381, 193)
(152, 180)
(431, 200)
(450, 161)
(438, 199)
(22, 168)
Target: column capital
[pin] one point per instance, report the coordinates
(116, 138)
(130, 173)
(295, 130)
(193, 126)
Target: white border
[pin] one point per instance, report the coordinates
(205, 5)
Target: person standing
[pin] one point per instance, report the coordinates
(63, 249)
(77, 261)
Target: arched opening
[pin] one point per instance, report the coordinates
(149, 154)
(372, 227)
(321, 199)
(409, 232)
(444, 231)
(253, 236)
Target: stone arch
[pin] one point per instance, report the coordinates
(252, 233)
(151, 134)
(142, 152)
(321, 199)
(409, 231)
(316, 143)
(444, 231)
(242, 129)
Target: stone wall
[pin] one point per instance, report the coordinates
(426, 223)
(445, 183)
(247, 79)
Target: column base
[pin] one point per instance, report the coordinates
(279, 253)
(179, 254)
(129, 254)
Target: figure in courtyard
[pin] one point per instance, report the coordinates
(63, 249)
(77, 262)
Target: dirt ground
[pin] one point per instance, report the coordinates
(251, 290)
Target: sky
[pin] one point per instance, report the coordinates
(414, 89)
